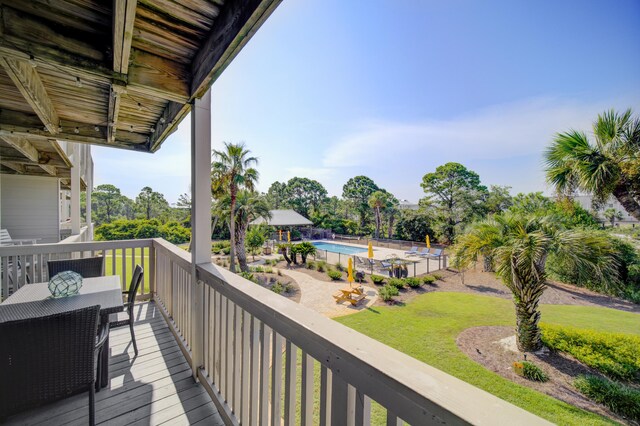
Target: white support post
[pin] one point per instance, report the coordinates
(200, 215)
(89, 194)
(75, 191)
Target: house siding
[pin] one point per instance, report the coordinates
(29, 207)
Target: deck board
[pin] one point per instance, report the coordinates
(154, 388)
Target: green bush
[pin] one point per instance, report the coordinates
(124, 229)
(413, 282)
(428, 279)
(387, 292)
(396, 282)
(311, 264)
(334, 275)
(249, 276)
(268, 270)
(226, 250)
(437, 276)
(278, 288)
(257, 269)
(377, 279)
(339, 267)
(321, 266)
(615, 355)
(533, 372)
(620, 399)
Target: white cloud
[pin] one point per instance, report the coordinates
(498, 132)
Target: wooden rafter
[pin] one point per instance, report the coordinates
(24, 147)
(124, 14)
(115, 97)
(28, 82)
(16, 167)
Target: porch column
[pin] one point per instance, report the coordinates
(200, 214)
(75, 191)
(89, 194)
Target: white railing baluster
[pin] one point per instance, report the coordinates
(325, 395)
(363, 409)
(290, 378)
(276, 380)
(264, 374)
(237, 361)
(306, 397)
(246, 368)
(255, 371)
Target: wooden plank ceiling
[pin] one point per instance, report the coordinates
(119, 74)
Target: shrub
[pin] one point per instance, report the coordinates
(257, 269)
(277, 288)
(413, 282)
(437, 276)
(620, 399)
(268, 270)
(226, 250)
(396, 282)
(311, 264)
(533, 372)
(339, 267)
(387, 292)
(124, 229)
(279, 272)
(249, 276)
(377, 279)
(615, 355)
(334, 275)
(428, 279)
(321, 266)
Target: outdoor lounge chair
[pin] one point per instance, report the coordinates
(436, 253)
(413, 251)
(6, 240)
(424, 252)
(88, 267)
(138, 274)
(49, 358)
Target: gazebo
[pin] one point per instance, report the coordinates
(285, 219)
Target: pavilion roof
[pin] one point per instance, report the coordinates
(284, 218)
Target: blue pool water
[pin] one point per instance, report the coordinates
(339, 248)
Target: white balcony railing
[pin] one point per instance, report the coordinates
(251, 348)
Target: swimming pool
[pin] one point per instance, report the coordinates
(339, 248)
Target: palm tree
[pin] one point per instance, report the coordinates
(231, 170)
(378, 200)
(608, 165)
(519, 246)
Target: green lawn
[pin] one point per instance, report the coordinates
(427, 327)
(108, 266)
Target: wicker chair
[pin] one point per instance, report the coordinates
(88, 267)
(49, 358)
(138, 275)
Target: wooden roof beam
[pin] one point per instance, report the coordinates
(23, 146)
(16, 167)
(25, 38)
(124, 14)
(115, 97)
(28, 82)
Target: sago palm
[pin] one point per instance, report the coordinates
(607, 165)
(518, 246)
(232, 170)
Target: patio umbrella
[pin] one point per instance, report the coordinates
(428, 242)
(350, 271)
(289, 236)
(370, 254)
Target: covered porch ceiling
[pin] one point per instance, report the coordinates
(119, 73)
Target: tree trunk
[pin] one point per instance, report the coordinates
(232, 232)
(283, 252)
(488, 263)
(526, 299)
(622, 194)
(377, 223)
(240, 249)
(392, 219)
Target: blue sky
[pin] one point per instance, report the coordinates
(331, 89)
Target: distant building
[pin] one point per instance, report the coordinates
(586, 202)
(407, 205)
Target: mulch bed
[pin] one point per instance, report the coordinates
(269, 280)
(482, 344)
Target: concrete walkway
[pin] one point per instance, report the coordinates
(318, 295)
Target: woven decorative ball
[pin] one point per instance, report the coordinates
(66, 283)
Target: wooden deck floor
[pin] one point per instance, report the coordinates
(155, 388)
